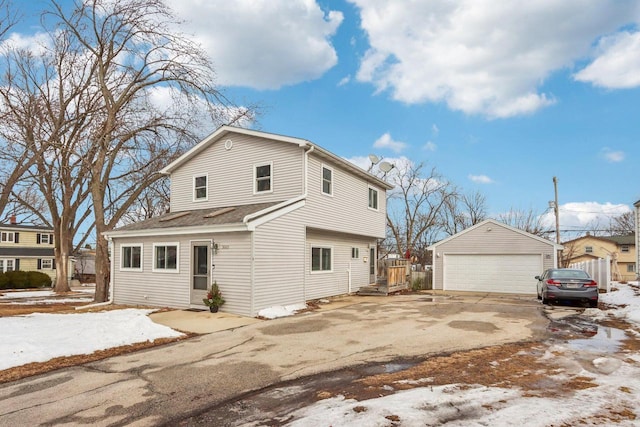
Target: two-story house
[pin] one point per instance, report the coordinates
(273, 220)
(26, 248)
(621, 250)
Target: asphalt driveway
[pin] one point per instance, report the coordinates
(170, 382)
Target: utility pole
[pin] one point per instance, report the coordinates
(556, 209)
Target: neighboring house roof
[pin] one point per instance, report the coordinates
(500, 224)
(222, 131)
(23, 227)
(204, 218)
(619, 240)
(19, 251)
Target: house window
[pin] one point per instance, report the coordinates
(327, 181)
(131, 257)
(631, 268)
(46, 264)
(355, 253)
(165, 257)
(7, 236)
(588, 249)
(624, 249)
(373, 198)
(45, 239)
(320, 259)
(262, 178)
(200, 188)
(6, 265)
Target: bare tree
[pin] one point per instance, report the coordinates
(462, 211)
(415, 205)
(623, 224)
(528, 221)
(85, 120)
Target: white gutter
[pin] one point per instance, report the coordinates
(111, 281)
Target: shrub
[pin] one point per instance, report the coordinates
(417, 284)
(24, 280)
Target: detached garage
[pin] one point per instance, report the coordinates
(492, 257)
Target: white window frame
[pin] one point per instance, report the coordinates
(132, 245)
(42, 239)
(624, 249)
(5, 264)
(48, 261)
(322, 180)
(322, 248)
(4, 237)
(206, 188)
(588, 249)
(355, 253)
(377, 192)
(154, 266)
(255, 178)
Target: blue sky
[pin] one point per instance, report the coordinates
(498, 96)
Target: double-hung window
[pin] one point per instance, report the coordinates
(200, 192)
(165, 257)
(373, 198)
(321, 259)
(355, 253)
(131, 257)
(327, 181)
(624, 249)
(262, 178)
(588, 249)
(6, 265)
(46, 264)
(7, 237)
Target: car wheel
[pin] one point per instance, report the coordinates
(593, 304)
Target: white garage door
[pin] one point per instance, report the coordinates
(492, 273)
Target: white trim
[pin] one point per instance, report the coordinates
(8, 233)
(177, 231)
(369, 188)
(42, 260)
(126, 245)
(311, 270)
(275, 214)
(255, 178)
(153, 258)
(331, 182)
(206, 188)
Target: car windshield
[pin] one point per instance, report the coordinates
(570, 274)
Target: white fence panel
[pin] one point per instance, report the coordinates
(599, 269)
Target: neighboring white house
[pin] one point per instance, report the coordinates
(492, 257)
(274, 220)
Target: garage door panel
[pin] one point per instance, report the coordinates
(509, 273)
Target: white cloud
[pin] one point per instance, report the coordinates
(430, 146)
(263, 44)
(481, 179)
(580, 215)
(385, 141)
(435, 130)
(480, 56)
(617, 65)
(612, 156)
(343, 81)
(37, 43)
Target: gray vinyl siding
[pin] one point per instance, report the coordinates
(169, 289)
(347, 210)
(231, 173)
(500, 240)
(336, 282)
(279, 261)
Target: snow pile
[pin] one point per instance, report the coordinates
(281, 311)
(626, 298)
(40, 337)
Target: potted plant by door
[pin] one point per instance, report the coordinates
(214, 298)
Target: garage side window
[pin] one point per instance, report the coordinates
(320, 259)
(131, 257)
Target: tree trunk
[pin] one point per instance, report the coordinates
(62, 266)
(102, 268)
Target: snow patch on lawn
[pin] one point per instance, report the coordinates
(281, 311)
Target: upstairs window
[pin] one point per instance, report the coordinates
(327, 181)
(262, 174)
(45, 239)
(624, 249)
(165, 257)
(200, 188)
(7, 237)
(373, 198)
(131, 257)
(588, 249)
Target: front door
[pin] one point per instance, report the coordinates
(200, 271)
(372, 265)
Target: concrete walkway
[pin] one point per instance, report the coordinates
(163, 384)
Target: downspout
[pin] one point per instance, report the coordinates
(111, 281)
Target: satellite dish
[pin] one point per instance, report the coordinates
(374, 159)
(386, 167)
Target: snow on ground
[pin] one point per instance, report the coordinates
(281, 311)
(52, 301)
(39, 337)
(453, 405)
(27, 294)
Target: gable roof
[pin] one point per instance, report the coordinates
(25, 227)
(618, 240)
(226, 130)
(498, 224)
